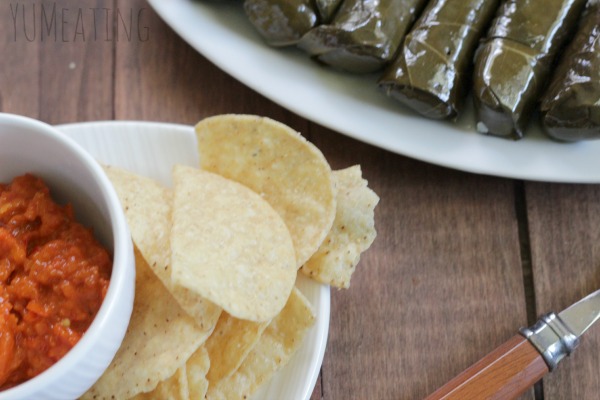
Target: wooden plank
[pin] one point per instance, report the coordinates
(441, 286)
(54, 69)
(317, 393)
(19, 61)
(164, 79)
(564, 222)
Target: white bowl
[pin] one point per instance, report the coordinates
(73, 176)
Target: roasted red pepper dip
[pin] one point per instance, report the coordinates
(53, 277)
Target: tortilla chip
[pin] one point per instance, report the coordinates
(229, 246)
(160, 338)
(197, 367)
(352, 233)
(230, 343)
(279, 164)
(147, 206)
(174, 388)
(275, 348)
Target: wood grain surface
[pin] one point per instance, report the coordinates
(461, 261)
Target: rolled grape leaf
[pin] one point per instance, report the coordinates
(432, 72)
(281, 22)
(364, 35)
(513, 63)
(571, 106)
(327, 9)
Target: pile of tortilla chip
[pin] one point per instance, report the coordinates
(216, 309)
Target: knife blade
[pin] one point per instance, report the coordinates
(582, 315)
(515, 366)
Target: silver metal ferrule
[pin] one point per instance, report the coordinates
(552, 338)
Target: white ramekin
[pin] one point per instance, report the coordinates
(30, 146)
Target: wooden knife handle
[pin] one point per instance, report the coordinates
(505, 373)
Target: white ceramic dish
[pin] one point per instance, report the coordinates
(29, 146)
(151, 149)
(352, 105)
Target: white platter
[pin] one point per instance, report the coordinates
(151, 149)
(352, 105)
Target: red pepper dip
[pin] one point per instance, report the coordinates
(53, 278)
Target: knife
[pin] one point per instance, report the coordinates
(512, 368)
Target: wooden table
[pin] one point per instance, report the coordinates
(460, 263)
